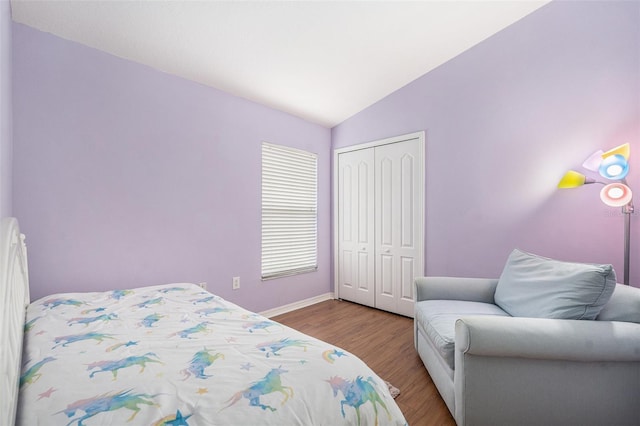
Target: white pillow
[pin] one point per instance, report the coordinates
(538, 287)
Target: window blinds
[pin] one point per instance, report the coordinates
(289, 211)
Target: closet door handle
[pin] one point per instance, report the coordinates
(387, 250)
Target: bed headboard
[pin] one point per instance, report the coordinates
(14, 298)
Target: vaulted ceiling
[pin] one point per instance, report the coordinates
(323, 61)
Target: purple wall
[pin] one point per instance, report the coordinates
(6, 120)
(125, 176)
(504, 121)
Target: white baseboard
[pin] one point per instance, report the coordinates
(297, 305)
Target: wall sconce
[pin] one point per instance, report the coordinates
(612, 165)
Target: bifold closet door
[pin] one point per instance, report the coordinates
(356, 245)
(399, 203)
(380, 234)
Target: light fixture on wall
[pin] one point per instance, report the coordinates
(612, 165)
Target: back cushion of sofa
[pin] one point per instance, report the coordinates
(624, 305)
(538, 287)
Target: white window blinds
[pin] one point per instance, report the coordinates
(289, 211)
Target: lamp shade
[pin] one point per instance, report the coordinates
(614, 167)
(624, 150)
(616, 194)
(593, 162)
(573, 179)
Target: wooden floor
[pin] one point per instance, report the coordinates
(385, 342)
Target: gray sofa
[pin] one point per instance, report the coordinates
(492, 368)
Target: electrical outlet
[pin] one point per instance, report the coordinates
(236, 283)
(202, 285)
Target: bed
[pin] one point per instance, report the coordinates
(168, 355)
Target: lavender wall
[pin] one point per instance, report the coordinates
(504, 121)
(6, 119)
(125, 176)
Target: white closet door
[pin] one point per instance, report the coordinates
(356, 272)
(399, 180)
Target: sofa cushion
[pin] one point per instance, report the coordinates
(438, 320)
(624, 305)
(538, 287)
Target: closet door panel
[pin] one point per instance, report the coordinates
(356, 243)
(386, 233)
(347, 288)
(399, 186)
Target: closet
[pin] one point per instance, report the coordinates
(379, 222)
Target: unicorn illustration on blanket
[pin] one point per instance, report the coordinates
(150, 320)
(187, 332)
(55, 302)
(64, 341)
(260, 325)
(119, 294)
(151, 302)
(273, 347)
(114, 366)
(88, 320)
(357, 393)
(268, 384)
(205, 312)
(107, 402)
(201, 360)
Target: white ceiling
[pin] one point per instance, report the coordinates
(323, 61)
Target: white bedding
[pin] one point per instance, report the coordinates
(178, 355)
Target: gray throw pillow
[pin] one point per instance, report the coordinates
(538, 287)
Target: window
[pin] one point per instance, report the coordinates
(289, 211)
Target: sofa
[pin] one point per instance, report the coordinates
(523, 349)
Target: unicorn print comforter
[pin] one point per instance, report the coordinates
(178, 355)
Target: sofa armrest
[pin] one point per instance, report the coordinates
(453, 288)
(533, 371)
(541, 338)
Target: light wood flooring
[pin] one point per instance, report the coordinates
(385, 342)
